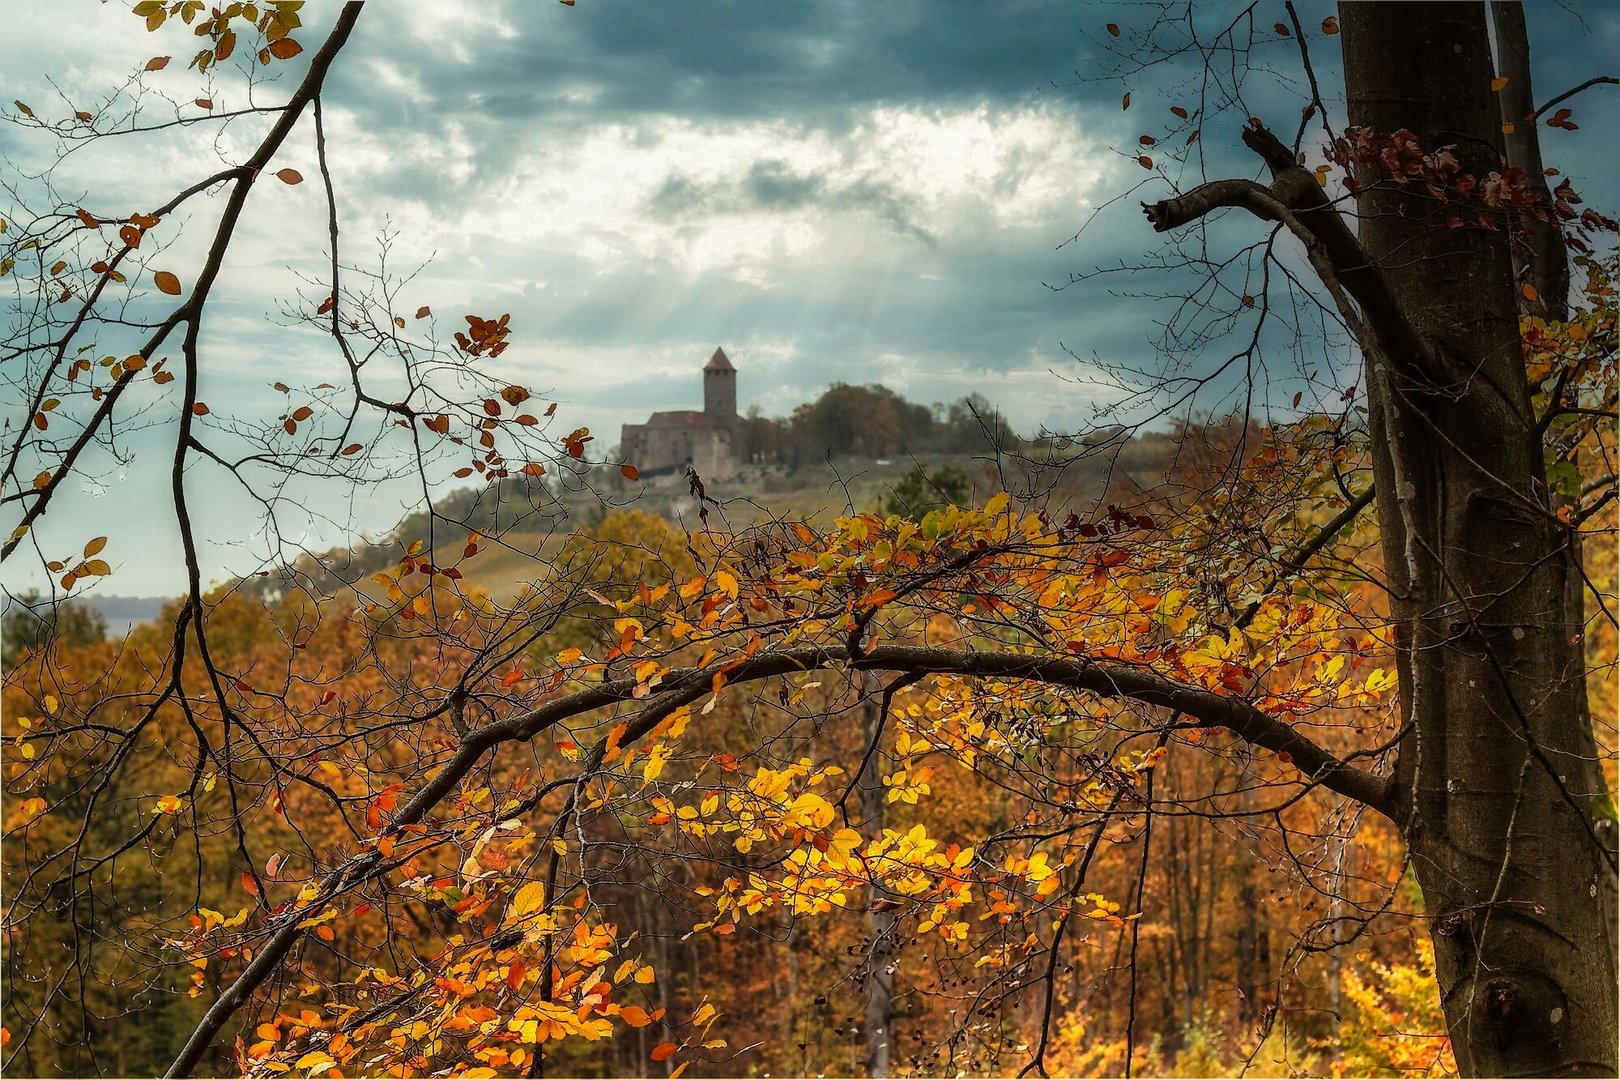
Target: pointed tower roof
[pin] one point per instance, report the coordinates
(719, 362)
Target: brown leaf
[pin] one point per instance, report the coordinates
(1125, 102)
(289, 176)
(423, 312)
(166, 282)
(1145, 161)
(157, 63)
(1179, 111)
(1113, 29)
(199, 409)
(1282, 29)
(630, 472)
(1330, 25)
(94, 547)
(303, 412)
(352, 448)
(204, 103)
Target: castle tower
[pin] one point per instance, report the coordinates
(720, 389)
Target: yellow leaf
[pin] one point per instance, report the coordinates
(726, 583)
(529, 899)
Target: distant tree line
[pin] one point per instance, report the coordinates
(871, 421)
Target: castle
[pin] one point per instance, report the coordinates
(671, 441)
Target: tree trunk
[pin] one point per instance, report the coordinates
(880, 924)
(1499, 791)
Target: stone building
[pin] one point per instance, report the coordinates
(670, 441)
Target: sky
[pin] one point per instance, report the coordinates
(835, 191)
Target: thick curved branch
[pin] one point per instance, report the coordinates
(1298, 201)
(683, 687)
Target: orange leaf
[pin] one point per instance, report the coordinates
(630, 472)
(303, 413)
(166, 282)
(352, 448)
(513, 677)
(1499, 82)
(534, 468)
(289, 176)
(1530, 292)
(663, 1050)
(157, 63)
(1330, 25)
(199, 409)
(251, 886)
(325, 933)
(285, 49)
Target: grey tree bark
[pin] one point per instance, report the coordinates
(1499, 791)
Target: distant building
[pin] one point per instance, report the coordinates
(670, 441)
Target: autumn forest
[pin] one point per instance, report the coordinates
(1258, 720)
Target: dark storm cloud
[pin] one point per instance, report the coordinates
(773, 185)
